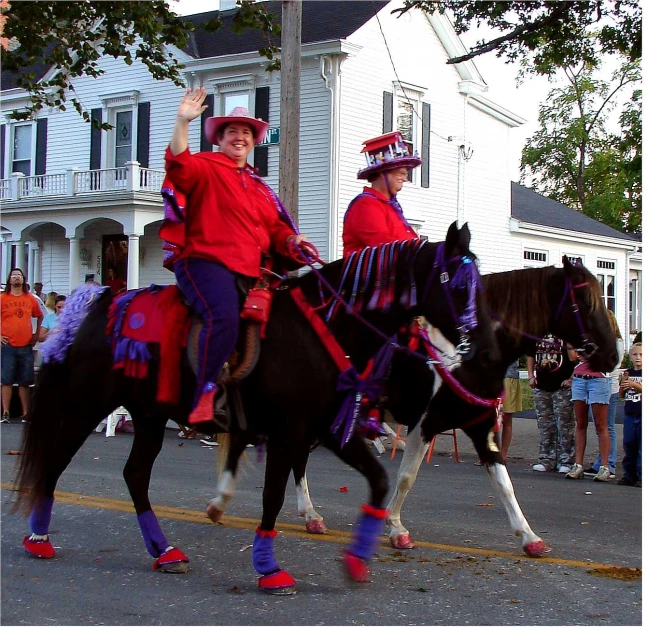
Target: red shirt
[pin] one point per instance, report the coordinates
(371, 221)
(230, 218)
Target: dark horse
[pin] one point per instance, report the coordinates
(528, 304)
(290, 399)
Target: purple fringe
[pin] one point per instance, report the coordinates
(467, 277)
(55, 348)
(126, 348)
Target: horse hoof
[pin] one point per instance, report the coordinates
(39, 549)
(214, 513)
(278, 584)
(316, 527)
(173, 561)
(402, 542)
(356, 568)
(536, 548)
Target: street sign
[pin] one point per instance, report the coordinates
(272, 137)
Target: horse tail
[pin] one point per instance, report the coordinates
(49, 409)
(40, 435)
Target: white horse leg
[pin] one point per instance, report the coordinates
(217, 505)
(314, 521)
(533, 545)
(414, 453)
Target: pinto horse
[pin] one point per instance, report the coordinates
(528, 303)
(290, 399)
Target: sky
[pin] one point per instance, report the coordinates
(499, 76)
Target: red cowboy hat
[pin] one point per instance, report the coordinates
(237, 115)
(387, 152)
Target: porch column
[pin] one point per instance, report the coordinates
(30, 264)
(20, 256)
(37, 267)
(6, 258)
(133, 262)
(75, 263)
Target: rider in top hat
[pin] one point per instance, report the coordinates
(375, 215)
(232, 219)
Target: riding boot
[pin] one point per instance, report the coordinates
(203, 411)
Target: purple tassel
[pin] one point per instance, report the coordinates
(55, 348)
(467, 277)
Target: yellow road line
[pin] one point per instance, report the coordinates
(295, 530)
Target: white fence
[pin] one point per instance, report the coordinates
(130, 177)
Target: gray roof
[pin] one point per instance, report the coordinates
(320, 22)
(531, 207)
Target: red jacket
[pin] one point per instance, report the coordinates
(370, 221)
(230, 218)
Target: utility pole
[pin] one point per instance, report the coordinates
(290, 106)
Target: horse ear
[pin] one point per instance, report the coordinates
(451, 240)
(465, 236)
(568, 266)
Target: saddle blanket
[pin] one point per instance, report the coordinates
(152, 315)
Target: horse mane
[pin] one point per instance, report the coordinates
(519, 298)
(373, 278)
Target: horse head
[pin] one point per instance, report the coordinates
(452, 299)
(581, 317)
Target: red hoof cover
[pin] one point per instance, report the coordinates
(356, 568)
(278, 580)
(536, 548)
(402, 542)
(174, 555)
(316, 527)
(40, 549)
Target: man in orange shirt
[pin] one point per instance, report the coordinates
(375, 215)
(18, 307)
(233, 219)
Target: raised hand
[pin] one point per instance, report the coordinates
(191, 106)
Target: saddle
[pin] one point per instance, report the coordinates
(158, 315)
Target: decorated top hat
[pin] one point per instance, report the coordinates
(386, 152)
(237, 115)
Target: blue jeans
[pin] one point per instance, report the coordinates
(17, 365)
(611, 424)
(632, 443)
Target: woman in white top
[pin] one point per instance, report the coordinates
(614, 381)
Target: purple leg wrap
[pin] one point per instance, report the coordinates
(41, 515)
(365, 534)
(263, 555)
(154, 538)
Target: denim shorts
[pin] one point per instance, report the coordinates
(591, 391)
(17, 365)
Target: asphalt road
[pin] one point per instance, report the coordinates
(467, 570)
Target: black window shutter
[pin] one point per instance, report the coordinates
(41, 147)
(262, 110)
(387, 112)
(205, 145)
(424, 145)
(3, 131)
(95, 138)
(143, 133)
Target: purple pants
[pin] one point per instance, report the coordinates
(212, 292)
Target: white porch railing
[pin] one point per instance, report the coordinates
(130, 177)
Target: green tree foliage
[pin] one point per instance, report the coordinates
(547, 34)
(67, 39)
(575, 159)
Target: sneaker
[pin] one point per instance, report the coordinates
(590, 471)
(604, 475)
(189, 434)
(208, 441)
(564, 468)
(539, 467)
(576, 472)
(5, 417)
(625, 482)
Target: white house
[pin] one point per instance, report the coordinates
(76, 201)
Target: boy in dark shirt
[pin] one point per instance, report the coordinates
(631, 387)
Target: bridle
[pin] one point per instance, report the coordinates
(588, 348)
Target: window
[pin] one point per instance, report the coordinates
(608, 286)
(236, 99)
(573, 259)
(23, 149)
(407, 118)
(535, 258)
(606, 264)
(123, 138)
